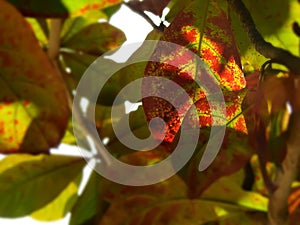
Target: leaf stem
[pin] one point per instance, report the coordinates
(54, 38)
(278, 55)
(53, 52)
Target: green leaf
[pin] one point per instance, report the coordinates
(89, 202)
(28, 183)
(75, 24)
(60, 8)
(78, 63)
(248, 218)
(39, 31)
(61, 205)
(83, 48)
(228, 190)
(250, 58)
(33, 105)
(274, 20)
(96, 39)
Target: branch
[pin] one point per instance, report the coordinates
(265, 48)
(160, 28)
(278, 200)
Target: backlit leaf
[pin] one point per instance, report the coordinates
(274, 19)
(33, 105)
(61, 205)
(28, 183)
(203, 28)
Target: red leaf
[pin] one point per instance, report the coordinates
(203, 28)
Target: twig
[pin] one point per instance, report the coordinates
(278, 200)
(160, 28)
(278, 55)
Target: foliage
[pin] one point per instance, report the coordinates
(45, 48)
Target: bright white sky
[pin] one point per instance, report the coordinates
(136, 29)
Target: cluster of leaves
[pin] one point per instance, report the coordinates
(35, 115)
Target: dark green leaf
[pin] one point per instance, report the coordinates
(89, 202)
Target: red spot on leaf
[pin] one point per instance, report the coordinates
(10, 139)
(26, 103)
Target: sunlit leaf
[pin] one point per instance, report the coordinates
(61, 205)
(33, 105)
(38, 30)
(227, 189)
(60, 8)
(28, 183)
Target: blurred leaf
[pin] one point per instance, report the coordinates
(171, 188)
(228, 190)
(28, 183)
(96, 39)
(144, 209)
(73, 25)
(38, 30)
(259, 184)
(77, 63)
(111, 10)
(89, 202)
(82, 49)
(33, 105)
(60, 8)
(234, 153)
(61, 205)
(248, 218)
